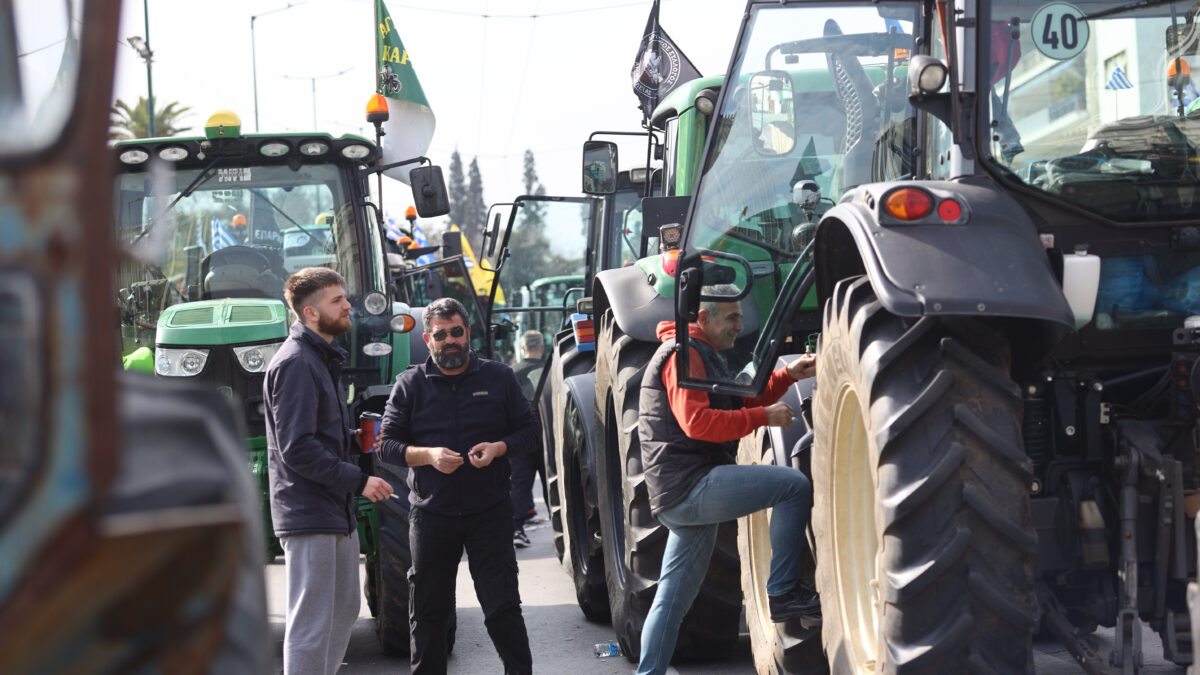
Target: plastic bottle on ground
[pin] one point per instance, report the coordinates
(607, 649)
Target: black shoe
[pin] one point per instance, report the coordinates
(520, 539)
(802, 602)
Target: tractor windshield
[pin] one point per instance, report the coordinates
(1095, 103)
(818, 104)
(238, 233)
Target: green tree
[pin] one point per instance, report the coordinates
(530, 255)
(456, 189)
(128, 122)
(475, 209)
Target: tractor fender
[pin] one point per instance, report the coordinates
(582, 388)
(640, 307)
(990, 262)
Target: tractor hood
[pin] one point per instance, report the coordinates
(228, 321)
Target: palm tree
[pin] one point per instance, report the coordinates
(128, 122)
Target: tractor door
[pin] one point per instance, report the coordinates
(537, 256)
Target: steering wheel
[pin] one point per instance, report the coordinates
(240, 271)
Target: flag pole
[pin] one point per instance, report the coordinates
(379, 126)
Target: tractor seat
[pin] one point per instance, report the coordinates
(241, 272)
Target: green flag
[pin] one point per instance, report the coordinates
(411, 122)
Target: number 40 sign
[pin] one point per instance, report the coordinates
(1059, 30)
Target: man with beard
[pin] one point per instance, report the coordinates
(313, 482)
(455, 420)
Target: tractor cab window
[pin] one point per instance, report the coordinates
(1094, 103)
(39, 47)
(625, 226)
(237, 232)
(816, 103)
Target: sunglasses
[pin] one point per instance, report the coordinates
(456, 332)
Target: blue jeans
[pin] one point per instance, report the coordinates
(726, 493)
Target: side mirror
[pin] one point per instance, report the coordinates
(687, 291)
(429, 191)
(495, 235)
(772, 118)
(599, 167)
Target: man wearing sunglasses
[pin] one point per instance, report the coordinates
(455, 420)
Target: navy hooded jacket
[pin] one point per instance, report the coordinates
(312, 478)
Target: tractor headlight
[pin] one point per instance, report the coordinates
(377, 349)
(254, 358)
(375, 302)
(179, 362)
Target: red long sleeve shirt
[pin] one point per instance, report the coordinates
(690, 406)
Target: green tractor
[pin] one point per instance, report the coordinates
(216, 224)
(1004, 416)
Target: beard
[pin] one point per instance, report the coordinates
(450, 357)
(333, 325)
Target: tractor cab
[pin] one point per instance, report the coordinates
(816, 103)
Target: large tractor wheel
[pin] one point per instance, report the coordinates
(386, 585)
(582, 521)
(550, 407)
(778, 648)
(633, 539)
(925, 541)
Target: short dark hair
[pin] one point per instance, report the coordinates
(302, 287)
(444, 309)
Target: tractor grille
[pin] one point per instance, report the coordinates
(250, 314)
(192, 317)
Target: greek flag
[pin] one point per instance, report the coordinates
(221, 237)
(1118, 80)
(421, 241)
(393, 229)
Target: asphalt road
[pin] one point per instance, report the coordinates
(562, 640)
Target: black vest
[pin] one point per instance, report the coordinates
(673, 462)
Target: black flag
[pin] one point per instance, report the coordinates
(660, 66)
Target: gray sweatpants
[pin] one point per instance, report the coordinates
(323, 601)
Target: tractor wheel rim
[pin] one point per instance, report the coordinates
(758, 538)
(854, 544)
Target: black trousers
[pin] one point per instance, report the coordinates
(524, 467)
(437, 544)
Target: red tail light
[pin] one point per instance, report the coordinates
(908, 204)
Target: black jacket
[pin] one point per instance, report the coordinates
(429, 409)
(312, 479)
(673, 462)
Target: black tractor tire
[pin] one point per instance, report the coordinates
(925, 543)
(777, 647)
(549, 407)
(386, 585)
(633, 540)
(582, 510)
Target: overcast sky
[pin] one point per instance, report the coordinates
(498, 80)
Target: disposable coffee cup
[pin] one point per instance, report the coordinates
(369, 423)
